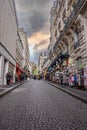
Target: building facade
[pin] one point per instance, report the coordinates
(8, 36)
(19, 56)
(42, 58)
(68, 42)
(31, 66)
(26, 53)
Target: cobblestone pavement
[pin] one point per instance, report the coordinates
(36, 105)
(75, 90)
(77, 93)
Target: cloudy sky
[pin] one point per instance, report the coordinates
(34, 16)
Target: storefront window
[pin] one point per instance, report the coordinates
(11, 69)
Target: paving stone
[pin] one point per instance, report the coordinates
(37, 106)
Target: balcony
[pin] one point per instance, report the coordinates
(78, 6)
(77, 45)
(60, 26)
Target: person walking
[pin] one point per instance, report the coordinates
(8, 78)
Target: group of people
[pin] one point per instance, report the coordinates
(9, 78)
(20, 78)
(72, 80)
(38, 77)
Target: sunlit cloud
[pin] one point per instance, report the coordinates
(39, 41)
(34, 17)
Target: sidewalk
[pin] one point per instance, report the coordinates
(6, 89)
(79, 94)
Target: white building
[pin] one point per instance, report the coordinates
(8, 36)
(52, 28)
(46, 63)
(42, 58)
(19, 50)
(69, 38)
(19, 55)
(26, 53)
(31, 66)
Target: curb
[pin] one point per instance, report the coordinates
(70, 93)
(11, 89)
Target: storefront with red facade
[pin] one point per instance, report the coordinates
(18, 71)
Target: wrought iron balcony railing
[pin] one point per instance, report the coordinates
(78, 6)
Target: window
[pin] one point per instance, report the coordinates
(76, 39)
(79, 63)
(76, 36)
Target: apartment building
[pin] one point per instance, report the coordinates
(8, 36)
(19, 56)
(26, 53)
(68, 38)
(42, 58)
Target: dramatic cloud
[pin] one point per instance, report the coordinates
(37, 37)
(42, 45)
(33, 16)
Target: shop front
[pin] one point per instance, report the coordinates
(19, 71)
(59, 69)
(11, 70)
(85, 77)
(80, 73)
(63, 61)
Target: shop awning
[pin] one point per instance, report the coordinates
(63, 56)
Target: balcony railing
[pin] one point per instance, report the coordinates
(70, 20)
(76, 45)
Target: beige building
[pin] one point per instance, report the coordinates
(42, 58)
(31, 66)
(69, 28)
(19, 51)
(8, 36)
(26, 53)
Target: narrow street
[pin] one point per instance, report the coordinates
(36, 105)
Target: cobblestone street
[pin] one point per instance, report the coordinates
(37, 105)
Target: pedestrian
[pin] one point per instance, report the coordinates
(16, 78)
(8, 78)
(21, 77)
(34, 77)
(75, 80)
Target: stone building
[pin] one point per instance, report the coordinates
(31, 65)
(8, 36)
(26, 53)
(68, 38)
(19, 56)
(42, 58)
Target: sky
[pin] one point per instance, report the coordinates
(34, 17)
